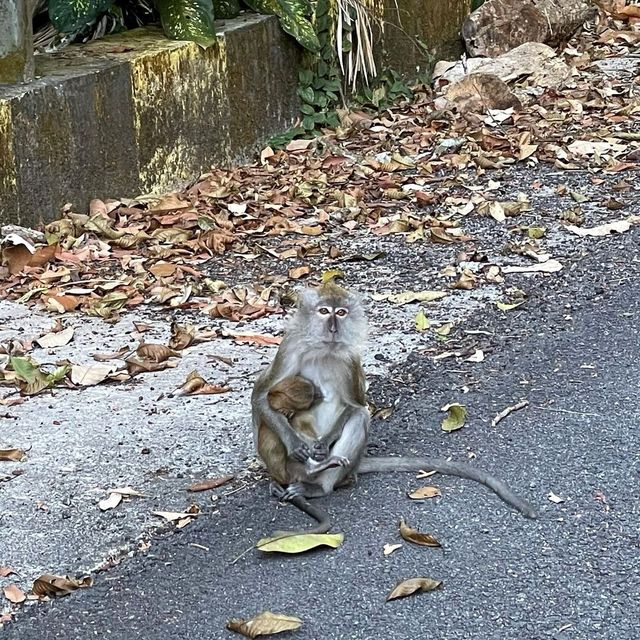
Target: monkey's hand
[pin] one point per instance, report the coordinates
(319, 451)
(301, 453)
(313, 467)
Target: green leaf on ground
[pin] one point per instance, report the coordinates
(299, 543)
(456, 416)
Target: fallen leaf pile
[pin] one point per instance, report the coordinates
(30, 377)
(408, 173)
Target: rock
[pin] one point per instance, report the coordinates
(479, 92)
(532, 60)
(501, 25)
(31, 235)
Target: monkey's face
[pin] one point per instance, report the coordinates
(329, 316)
(333, 320)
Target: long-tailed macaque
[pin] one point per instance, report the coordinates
(322, 347)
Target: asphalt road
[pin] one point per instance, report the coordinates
(574, 573)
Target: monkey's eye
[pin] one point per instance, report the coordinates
(341, 312)
(323, 311)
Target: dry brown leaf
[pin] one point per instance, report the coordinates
(6, 571)
(135, 366)
(12, 455)
(298, 145)
(170, 202)
(56, 339)
(163, 269)
(156, 352)
(388, 549)
(180, 518)
(14, 594)
(310, 231)
(110, 502)
(407, 297)
(550, 266)
(114, 355)
(255, 338)
(264, 624)
(183, 336)
(619, 226)
(211, 483)
(412, 535)
(467, 280)
(299, 272)
(18, 257)
(89, 375)
(128, 492)
(10, 402)
(413, 585)
(424, 493)
(440, 236)
(195, 384)
(60, 303)
(52, 585)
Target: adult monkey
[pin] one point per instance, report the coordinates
(323, 344)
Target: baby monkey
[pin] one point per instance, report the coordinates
(293, 397)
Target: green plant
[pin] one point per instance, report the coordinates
(181, 19)
(188, 20)
(388, 89)
(294, 18)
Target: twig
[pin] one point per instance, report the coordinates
(574, 413)
(244, 553)
(230, 493)
(505, 412)
(259, 546)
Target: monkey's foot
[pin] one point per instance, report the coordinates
(333, 462)
(285, 494)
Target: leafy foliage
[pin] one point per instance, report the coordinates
(181, 19)
(294, 18)
(68, 16)
(226, 9)
(188, 20)
(388, 89)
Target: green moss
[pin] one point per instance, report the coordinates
(12, 67)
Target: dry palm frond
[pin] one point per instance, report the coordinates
(355, 20)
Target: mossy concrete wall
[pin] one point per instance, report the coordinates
(137, 113)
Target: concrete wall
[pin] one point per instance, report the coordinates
(136, 113)
(16, 52)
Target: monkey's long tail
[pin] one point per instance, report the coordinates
(387, 464)
(322, 517)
